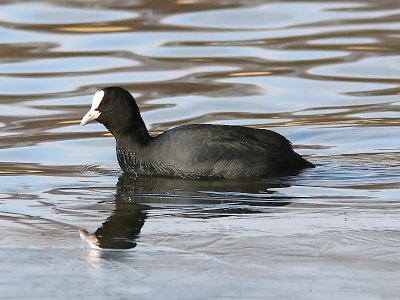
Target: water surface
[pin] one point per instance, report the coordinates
(323, 73)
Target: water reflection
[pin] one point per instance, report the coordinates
(121, 229)
(136, 196)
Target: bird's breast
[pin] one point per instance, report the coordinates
(128, 160)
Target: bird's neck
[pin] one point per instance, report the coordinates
(134, 134)
(138, 137)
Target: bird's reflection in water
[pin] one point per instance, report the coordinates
(121, 229)
(136, 195)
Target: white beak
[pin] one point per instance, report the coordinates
(93, 113)
(90, 116)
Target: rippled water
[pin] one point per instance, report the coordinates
(323, 73)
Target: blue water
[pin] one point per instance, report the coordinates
(322, 73)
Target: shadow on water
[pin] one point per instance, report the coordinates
(136, 196)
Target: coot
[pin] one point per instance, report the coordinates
(190, 151)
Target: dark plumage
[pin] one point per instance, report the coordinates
(190, 151)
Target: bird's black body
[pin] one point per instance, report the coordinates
(194, 151)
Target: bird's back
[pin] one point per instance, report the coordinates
(196, 151)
